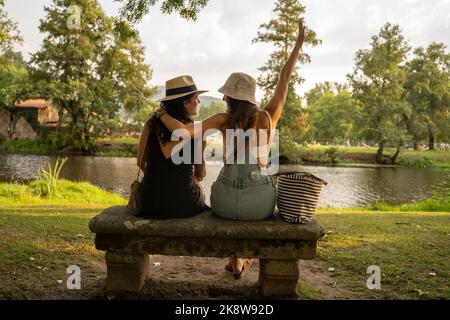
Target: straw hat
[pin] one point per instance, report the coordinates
(180, 87)
(240, 86)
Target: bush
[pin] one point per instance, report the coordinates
(292, 151)
(420, 163)
(59, 140)
(47, 185)
(332, 154)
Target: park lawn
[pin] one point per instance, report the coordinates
(411, 248)
(37, 245)
(41, 237)
(39, 241)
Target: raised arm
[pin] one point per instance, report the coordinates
(198, 129)
(276, 103)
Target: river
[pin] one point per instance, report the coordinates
(347, 187)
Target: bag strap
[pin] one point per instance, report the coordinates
(270, 136)
(139, 173)
(287, 173)
(270, 125)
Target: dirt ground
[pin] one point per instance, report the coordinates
(191, 278)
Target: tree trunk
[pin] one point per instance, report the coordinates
(12, 125)
(397, 152)
(431, 140)
(415, 144)
(379, 155)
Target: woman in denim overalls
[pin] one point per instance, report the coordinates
(241, 192)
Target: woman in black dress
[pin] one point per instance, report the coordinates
(172, 190)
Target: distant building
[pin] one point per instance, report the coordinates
(47, 114)
(25, 120)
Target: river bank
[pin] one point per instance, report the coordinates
(42, 236)
(341, 157)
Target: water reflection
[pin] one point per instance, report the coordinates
(347, 187)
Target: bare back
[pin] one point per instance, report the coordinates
(263, 130)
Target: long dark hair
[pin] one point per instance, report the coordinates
(241, 114)
(176, 109)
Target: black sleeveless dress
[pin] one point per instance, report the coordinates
(169, 189)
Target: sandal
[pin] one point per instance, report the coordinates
(247, 263)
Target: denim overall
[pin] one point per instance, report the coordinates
(242, 193)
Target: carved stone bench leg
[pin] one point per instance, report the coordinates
(127, 271)
(278, 277)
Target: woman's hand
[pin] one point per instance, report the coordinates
(200, 172)
(160, 111)
(276, 103)
(301, 33)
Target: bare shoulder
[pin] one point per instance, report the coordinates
(263, 119)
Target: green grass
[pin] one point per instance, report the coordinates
(37, 147)
(39, 242)
(68, 192)
(119, 140)
(116, 154)
(349, 149)
(41, 237)
(407, 158)
(429, 205)
(406, 246)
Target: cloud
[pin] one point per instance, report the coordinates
(220, 41)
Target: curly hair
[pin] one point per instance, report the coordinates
(176, 109)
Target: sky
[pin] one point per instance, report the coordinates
(220, 41)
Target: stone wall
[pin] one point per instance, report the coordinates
(24, 131)
(5, 120)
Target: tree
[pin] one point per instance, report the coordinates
(378, 82)
(332, 118)
(212, 109)
(321, 89)
(91, 71)
(134, 10)
(281, 32)
(428, 91)
(9, 33)
(14, 77)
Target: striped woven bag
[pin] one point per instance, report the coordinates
(297, 196)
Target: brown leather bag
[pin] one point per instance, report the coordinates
(142, 150)
(136, 201)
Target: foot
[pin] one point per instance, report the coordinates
(246, 264)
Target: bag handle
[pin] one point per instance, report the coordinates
(139, 173)
(286, 173)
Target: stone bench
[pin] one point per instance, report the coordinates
(128, 242)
